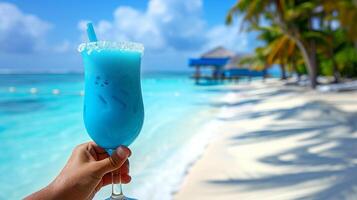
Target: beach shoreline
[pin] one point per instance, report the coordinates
(276, 142)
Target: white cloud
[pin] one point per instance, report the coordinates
(229, 36)
(171, 31)
(20, 32)
(175, 24)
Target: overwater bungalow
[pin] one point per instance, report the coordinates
(220, 64)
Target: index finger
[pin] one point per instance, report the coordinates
(97, 149)
(100, 150)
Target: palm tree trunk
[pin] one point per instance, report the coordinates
(293, 63)
(311, 44)
(313, 59)
(283, 71)
(336, 73)
(310, 61)
(308, 56)
(265, 71)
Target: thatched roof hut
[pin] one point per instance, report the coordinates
(218, 52)
(234, 62)
(223, 64)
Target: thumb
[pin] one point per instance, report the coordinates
(115, 161)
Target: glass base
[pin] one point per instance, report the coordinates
(120, 197)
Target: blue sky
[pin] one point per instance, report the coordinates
(39, 35)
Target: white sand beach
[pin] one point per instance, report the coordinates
(278, 142)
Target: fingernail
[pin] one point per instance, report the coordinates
(129, 151)
(122, 152)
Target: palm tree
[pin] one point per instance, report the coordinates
(293, 18)
(346, 11)
(280, 49)
(255, 61)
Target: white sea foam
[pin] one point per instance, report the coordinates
(107, 45)
(33, 90)
(81, 93)
(12, 89)
(174, 170)
(56, 91)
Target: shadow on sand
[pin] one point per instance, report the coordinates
(332, 130)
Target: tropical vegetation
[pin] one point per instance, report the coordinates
(313, 37)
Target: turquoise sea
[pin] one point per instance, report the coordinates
(38, 131)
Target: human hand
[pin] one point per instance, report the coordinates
(86, 172)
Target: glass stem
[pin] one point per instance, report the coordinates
(120, 186)
(115, 193)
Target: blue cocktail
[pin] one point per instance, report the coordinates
(113, 107)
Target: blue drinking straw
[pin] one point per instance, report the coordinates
(91, 33)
